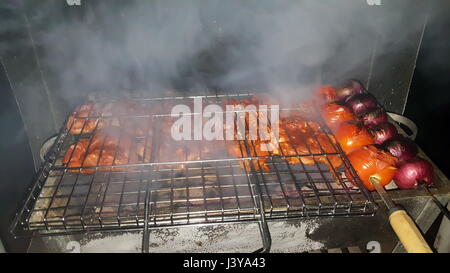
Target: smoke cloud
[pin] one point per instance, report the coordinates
(153, 45)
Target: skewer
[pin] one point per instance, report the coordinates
(438, 203)
(402, 224)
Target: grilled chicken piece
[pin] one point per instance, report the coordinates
(301, 139)
(238, 149)
(109, 146)
(298, 137)
(85, 118)
(138, 126)
(78, 121)
(75, 153)
(107, 138)
(106, 157)
(120, 129)
(143, 148)
(122, 138)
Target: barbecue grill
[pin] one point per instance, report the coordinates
(56, 57)
(207, 190)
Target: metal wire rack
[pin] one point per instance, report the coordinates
(208, 186)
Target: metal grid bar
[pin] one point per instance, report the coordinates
(263, 227)
(148, 197)
(208, 189)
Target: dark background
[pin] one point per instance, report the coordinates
(428, 103)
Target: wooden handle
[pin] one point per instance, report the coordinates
(408, 233)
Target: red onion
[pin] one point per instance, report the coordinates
(373, 116)
(412, 172)
(349, 88)
(383, 132)
(401, 147)
(361, 102)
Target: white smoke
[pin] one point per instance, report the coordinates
(269, 45)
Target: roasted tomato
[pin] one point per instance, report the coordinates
(334, 114)
(370, 161)
(352, 135)
(326, 94)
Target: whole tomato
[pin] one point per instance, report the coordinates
(326, 94)
(334, 114)
(352, 135)
(370, 161)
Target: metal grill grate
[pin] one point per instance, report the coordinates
(210, 187)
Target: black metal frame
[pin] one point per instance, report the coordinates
(153, 194)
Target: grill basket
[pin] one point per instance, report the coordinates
(210, 187)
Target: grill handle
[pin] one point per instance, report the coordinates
(407, 232)
(406, 122)
(402, 224)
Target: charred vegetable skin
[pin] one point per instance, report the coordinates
(373, 116)
(326, 94)
(356, 139)
(353, 135)
(361, 102)
(383, 132)
(371, 161)
(334, 114)
(349, 88)
(401, 147)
